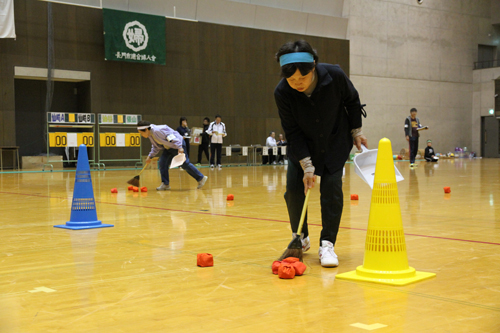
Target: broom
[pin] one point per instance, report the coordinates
(295, 247)
(135, 181)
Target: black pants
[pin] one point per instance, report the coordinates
(203, 148)
(413, 148)
(332, 201)
(188, 147)
(215, 147)
(270, 156)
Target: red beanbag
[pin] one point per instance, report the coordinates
(230, 197)
(291, 260)
(205, 260)
(286, 271)
(299, 267)
(354, 197)
(275, 267)
(130, 188)
(135, 189)
(447, 189)
(144, 189)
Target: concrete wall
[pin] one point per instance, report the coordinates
(406, 55)
(483, 99)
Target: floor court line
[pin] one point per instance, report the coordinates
(244, 217)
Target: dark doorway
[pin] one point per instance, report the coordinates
(490, 145)
(31, 119)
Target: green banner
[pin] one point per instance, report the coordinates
(134, 37)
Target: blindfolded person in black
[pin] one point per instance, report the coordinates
(321, 114)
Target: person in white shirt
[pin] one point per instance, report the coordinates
(270, 142)
(217, 130)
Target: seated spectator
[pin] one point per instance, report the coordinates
(430, 155)
(281, 142)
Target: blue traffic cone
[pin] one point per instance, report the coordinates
(83, 212)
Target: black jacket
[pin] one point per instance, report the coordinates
(320, 126)
(408, 131)
(429, 151)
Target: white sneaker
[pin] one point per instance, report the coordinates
(327, 256)
(219, 166)
(202, 182)
(212, 166)
(163, 187)
(306, 244)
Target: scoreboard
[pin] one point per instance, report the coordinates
(119, 140)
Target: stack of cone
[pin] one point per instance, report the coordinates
(385, 258)
(83, 211)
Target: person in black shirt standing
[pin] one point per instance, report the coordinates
(412, 126)
(321, 114)
(205, 141)
(185, 132)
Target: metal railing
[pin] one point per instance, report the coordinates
(487, 64)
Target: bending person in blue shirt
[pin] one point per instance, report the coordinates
(171, 142)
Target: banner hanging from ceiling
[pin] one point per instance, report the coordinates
(134, 37)
(7, 28)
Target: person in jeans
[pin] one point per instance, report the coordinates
(165, 139)
(217, 130)
(321, 114)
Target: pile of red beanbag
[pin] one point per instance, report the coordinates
(288, 268)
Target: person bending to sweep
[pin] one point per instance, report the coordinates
(171, 142)
(321, 114)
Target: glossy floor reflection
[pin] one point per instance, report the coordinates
(141, 275)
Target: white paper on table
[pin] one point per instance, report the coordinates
(178, 160)
(228, 151)
(244, 151)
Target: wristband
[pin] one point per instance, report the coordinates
(307, 165)
(357, 132)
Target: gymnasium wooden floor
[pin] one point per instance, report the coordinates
(141, 275)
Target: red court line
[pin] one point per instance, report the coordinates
(245, 217)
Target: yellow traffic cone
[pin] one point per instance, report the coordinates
(385, 258)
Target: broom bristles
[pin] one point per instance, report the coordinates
(134, 181)
(295, 253)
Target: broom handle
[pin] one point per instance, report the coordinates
(144, 167)
(304, 210)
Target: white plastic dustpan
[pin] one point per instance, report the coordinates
(178, 160)
(364, 165)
